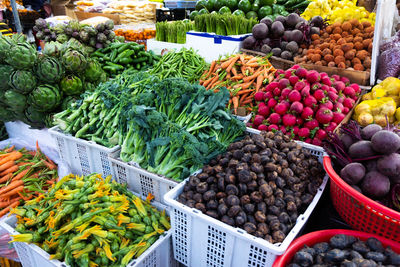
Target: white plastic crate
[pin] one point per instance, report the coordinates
(200, 240)
(159, 254)
(158, 47)
(141, 181)
(84, 157)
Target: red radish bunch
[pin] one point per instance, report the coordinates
(304, 104)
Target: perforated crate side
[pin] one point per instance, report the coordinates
(23, 254)
(180, 222)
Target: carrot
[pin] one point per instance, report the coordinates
(5, 178)
(4, 204)
(49, 165)
(20, 175)
(251, 77)
(252, 65)
(49, 160)
(243, 70)
(11, 186)
(8, 150)
(254, 59)
(208, 81)
(229, 68)
(13, 191)
(234, 71)
(212, 66)
(244, 92)
(259, 82)
(7, 165)
(246, 101)
(229, 61)
(13, 156)
(50, 182)
(235, 101)
(12, 205)
(9, 170)
(22, 196)
(210, 85)
(244, 86)
(237, 77)
(242, 97)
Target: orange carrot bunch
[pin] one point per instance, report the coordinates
(23, 175)
(243, 75)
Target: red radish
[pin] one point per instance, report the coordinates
(356, 88)
(355, 98)
(345, 80)
(326, 104)
(319, 94)
(259, 96)
(325, 88)
(339, 85)
(273, 127)
(307, 113)
(338, 107)
(312, 124)
(310, 101)
(299, 85)
(338, 117)
(271, 86)
(303, 132)
(288, 74)
(345, 110)
(331, 127)
(320, 134)
(262, 127)
(261, 104)
(316, 86)
(336, 77)
(286, 103)
(295, 67)
(324, 115)
(325, 80)
(285, 92)
(263, 111)
(289, 133)
(274, 118)
(313, 76)
(281, 108)
(332, 96)
(348, 103)
(340, 98)
(288, 120)
(281, 98)
(282, 129)
(294, 96)
(276, 91)
(279, 72)
(265, 96)
(249, 124)
(258, 119)
(293, 80)
(301, 72)
(283, 83)
(272, 103)
(299, 121)
(269, 95)
(296, 107)
(305, 91)
(308, 140)
(295, 130)
(333, 90)
(316, 142)
(349, 91)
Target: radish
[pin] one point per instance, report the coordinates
(273, 127)
(340, 98)
(332, 96)
(319, 94)
(288, 74)
(356, 88)
(286, 103)
(295, 67)
(279, 72)
(295, 130)
(303, 132)
(283, 83)
(339, 85)
(320, 134)
(307, 113)
(338, 117)
(345, 80)
(274, 118)
(325, 80)
(324, 115)
(296, 107)
(326, 104)
(263, 111)
(308, 140)
(272, 103)
(316, 142)
(269, 95)
(271, 86)
(316, 86)
(305, 91)
(288, 120)
(336, 77)
(355, 98)
(265, 96)
(325, 88)
(285, 92)
(349, 91)
(294, 96)
(262, 127)
(258, 119)
(293, 80)
(276, 91)
(259, 96)
(249, 124)
(338, 107)
(299, 85)
(331, 127)
(299, 121)
(310, 101)
(281, 108)
(282, 129)
(348, 103)
(345, 110)
(301, 73)
(333, 90)
(312, 124)
(313, 76)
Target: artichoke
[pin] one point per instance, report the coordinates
(62, 38)
(89, 87)
(6, 114)
(84, 36)
(18, 38)
(5, 72)
(15, 101)
(52, 49)
(49, 69)
(22, 81)
(74, 61)
(34, 118)
(45, 97)
(71, 85)
(72, 44)
(101, 38)
(5, 45)
(93, 71)
(88, 49)
(67, 102)
(109, 24)
(21, 56)
(41, 24)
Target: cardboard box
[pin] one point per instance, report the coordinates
(87, 15)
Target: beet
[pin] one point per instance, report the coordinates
(281, 19)
(361, 149)
(267, 21)
(292, 20)
(249, 43)
(277, 28)
(389, 165)
(297, 36)
(260, 31)
(286, 55)
(317, 21)
(276, 51)
(385, 142)
(314, 30)
(353, 173)
(375, 185)
(292, 47)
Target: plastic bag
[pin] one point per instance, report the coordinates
(389, 63)
(7, 250)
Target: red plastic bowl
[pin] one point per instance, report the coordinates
(359, 211)
(324, 236)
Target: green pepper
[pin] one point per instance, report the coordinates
(278, 9)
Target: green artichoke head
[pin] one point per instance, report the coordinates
(5, 73)
(93, 71)
(21, 56)
(45, 97)
(52, 49)
(22, 81)
(71, 85)
(49, 69)
(15, 101)
(34, 118)
(74, 61)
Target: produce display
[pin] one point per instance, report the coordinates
(23, 175)
(134, 35)
(133, 12)
(173, 31)
(167, 126)
(368, 160)
(380, 105)
(90, 221)
(91, 37)
(283, 37)
(223, 24)
(346, 250)
(242, 75)
(119, 57)
(305, 105)
(185, 63)
(245, 8)
(389, 57)
(346, 45)
(338, 11)
(261, 184)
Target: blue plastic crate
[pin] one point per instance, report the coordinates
(180, 4)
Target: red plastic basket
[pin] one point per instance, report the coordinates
(323, 236)
(359, 211)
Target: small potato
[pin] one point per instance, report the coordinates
(338, 52)
(359, 67)
(367, 63)
(336, 24)
(349, 39)
(366, 24)
(318, 63)
(354, 22)
(357, 39)
(355, 31)
(314, 37)
(324, 45)
(341, 65)
(339, 59)
(356, 61)
(362, 54)
(346, 26)
(336, 36)
(316, 42)
(328, 29)
(337, 30)
(325, 35)
(310, 52)
(341, 41)
(360, 34)
(347, 63)
(315, 58)
(329, 58)
(331, 64)
(324, 63)
(347, 47)
(360, 27)
(326, 51)
(358, 46)
(369, 29)
(345, 34)
(366, 43)
(370, 48)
